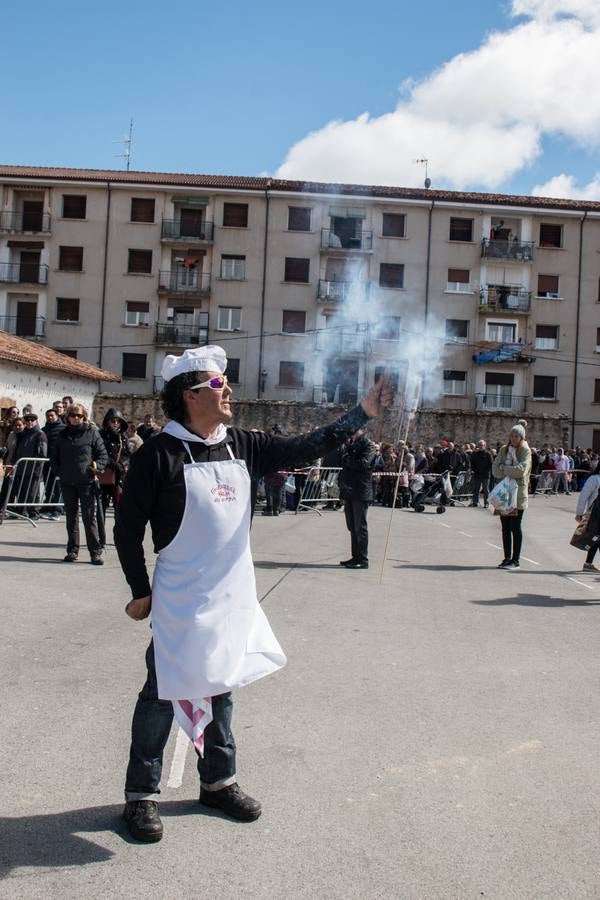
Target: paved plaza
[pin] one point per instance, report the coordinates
(433, 736)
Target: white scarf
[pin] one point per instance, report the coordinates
(175, 429)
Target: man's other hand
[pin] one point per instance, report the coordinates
(378, 398)
(139, 608)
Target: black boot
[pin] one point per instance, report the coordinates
(233, 801)
(143, 820)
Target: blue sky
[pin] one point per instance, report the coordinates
(230, 88)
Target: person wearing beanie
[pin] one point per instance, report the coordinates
(514, 461)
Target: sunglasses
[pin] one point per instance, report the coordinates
(76, 416)
(215, 384)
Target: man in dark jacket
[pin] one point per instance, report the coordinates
(78, 456)
(53, 427)
(148, 428)
(356, 492)
(32, 444)
(481, 469)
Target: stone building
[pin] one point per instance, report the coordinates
(312, 288)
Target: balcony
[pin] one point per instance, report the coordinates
(508, 251)
(29, 221)
(24, 326)
(180, 230)
(362, 242)
(177, 335)
(184, 281)
(501, 352)
(339, 291)
(344, 340)
(501, 401)
(23, 273)
(507, 299)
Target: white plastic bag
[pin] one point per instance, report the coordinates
(504, 496)
(447, 485)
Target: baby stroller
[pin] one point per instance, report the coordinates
(431, 490)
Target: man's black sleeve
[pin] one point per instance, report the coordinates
(269, 453)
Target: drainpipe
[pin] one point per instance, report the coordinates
(263, 294)
(575, 364)
(104, 275)
(427, 266)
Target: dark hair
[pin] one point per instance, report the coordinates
(171, 396)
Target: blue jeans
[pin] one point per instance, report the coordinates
(152, 720)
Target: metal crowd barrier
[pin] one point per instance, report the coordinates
(321, 486)
(28, 488)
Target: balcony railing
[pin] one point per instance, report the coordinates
(11, 220)
(503, 351)
(24, 326)
(332, 241)
(180, 230)
(514, 250)
(499, 401)
(504, 298)
(23, 273)
(342, 340)
(184, 281)
(190, 335)
(338, 291)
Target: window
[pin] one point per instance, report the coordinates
(392, 375)
(297, 269)
(70, 259)
(391, 275)
(546, 337)
(393, 225)
(457, 330)
(544, 387)
(67, 309)
(74, 206)
(229, 318)
(233, 267)
(142, 209)
(548, 287)
(233, 370)
(134, 365)
(294, 321)
(291, 374)
(597, 340)
(505, 332)
(299, 218)
(461, 229)
(455, 382)
(459, 280)
(597, 390)
(140, 262)
(235, 215)
(387, 328)
(550, 235)
(137, 313)
(71, 353)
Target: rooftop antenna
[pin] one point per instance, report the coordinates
(425, 162)
(126, 141)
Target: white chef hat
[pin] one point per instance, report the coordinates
(199, 359)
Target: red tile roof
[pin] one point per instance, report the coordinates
(240, 182)
(28, 353)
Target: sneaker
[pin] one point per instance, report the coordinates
(233, 801)
(143, 820)
(347, 562)
(55, 516)
(504, 564)
(266, 512)
(97, 561)
(70, 557)
(590, 567)
(356, 564)
(513, 564)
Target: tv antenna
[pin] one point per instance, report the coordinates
(425, 162)
(126, 141)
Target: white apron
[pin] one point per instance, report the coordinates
(210, 632)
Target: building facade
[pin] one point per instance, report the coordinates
(313, 289)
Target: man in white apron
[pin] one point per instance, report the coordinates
(210, 635)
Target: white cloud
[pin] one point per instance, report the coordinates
(566, 187)
(482, 116)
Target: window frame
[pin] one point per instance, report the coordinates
(129, 357)
(228, 207)
(296, 260)
(460, 240)
(233, 378)
(230, 310)
(556, 328)
(535, 396)
(456, 339)
(68, 300)
(146, 200)
(143, 253)
(545, 245)
(453, 381)
(137, 313)
(304, 209)
(71, 197)
(293, 312)
(548, 295)
(233, 258)
(462, 287)
(390, 268)
(64, 250)
(301, 368)
(391, 215)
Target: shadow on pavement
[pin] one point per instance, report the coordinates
(272, 564)
(64, 838)
(32, 559)
(535, 600)
(29, 544)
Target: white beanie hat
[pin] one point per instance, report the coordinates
(519, 428)
(199, 359)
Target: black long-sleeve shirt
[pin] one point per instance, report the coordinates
(154, 488)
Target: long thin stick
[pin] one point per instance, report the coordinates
(411, 411)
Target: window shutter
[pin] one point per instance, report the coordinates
(74, 206)
(137, 306)
(70, 259)
(299, 218)
(140, 261)
(142, 209)
(67, 309)
(391, 275)
(454, 375)
(461, 276)
(134, 365)
(547, 284)
(393, 225)
(291, 374)
(294, 321)
(502, 378)
(550, 235)
(461, 229)
(546, 331)
(296, 269)
(235, 215)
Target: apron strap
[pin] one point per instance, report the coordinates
(187, 447)
(230, 451)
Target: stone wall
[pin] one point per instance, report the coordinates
(430, 425)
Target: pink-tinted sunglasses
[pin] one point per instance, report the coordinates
(215, 384)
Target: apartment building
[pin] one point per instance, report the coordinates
(312, 288)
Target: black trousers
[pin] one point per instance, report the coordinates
(512, 535)
(356, 522)
(478, 483)
(74, 496)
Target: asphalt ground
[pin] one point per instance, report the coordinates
(433, 736)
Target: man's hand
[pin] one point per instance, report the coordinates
(139, 608)
(378, 398)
